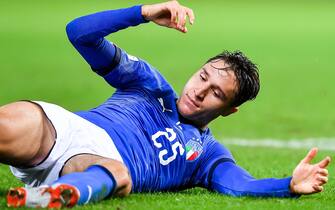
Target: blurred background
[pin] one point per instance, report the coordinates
(291, 41)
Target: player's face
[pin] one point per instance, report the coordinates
(208, 94)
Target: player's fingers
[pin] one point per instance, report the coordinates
(190, 14)
(322, 179)
(173, 7)
(324, 163)
(174, 16)
(323, 171)
(178, 16)
(174, 21)
(311, 154)
(180, 22)
(181, 18)
(318, 188)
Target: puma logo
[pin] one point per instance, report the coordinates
(161, 101)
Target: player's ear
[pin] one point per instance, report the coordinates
(229, 111)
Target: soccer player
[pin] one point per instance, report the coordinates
(143, 138)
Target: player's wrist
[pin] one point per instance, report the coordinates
(145, 12)
(292, 190)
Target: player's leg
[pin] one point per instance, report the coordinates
(26, 135)
(86, 178)
(121, 175)
(102, 178)
(117, 170)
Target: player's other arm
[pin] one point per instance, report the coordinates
(87, 33)
(228, 178)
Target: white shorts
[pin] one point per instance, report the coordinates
(74, 135)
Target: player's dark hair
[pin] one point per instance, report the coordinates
(246, 74)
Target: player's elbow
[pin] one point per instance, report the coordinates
(72, 31)
(78, 33)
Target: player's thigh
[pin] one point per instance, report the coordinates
(23, 126)
(119, 171)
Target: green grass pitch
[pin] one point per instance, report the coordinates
(291, 41)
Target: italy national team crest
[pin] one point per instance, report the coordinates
(193, 149)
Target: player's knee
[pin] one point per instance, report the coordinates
(125, 182)
(121, 175)
(7, 125)
(20, 127)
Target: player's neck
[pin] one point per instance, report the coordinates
(200, 127)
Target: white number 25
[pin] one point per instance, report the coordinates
(170, 135)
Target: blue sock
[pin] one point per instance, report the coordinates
(94, 184)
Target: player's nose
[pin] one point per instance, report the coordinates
(200, 93)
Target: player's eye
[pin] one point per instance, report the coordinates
(203, 77)
(216, 93)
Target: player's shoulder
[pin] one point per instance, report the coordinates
(208, 136)
(141, 73)
(215, 148)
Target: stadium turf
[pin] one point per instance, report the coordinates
(291, 41)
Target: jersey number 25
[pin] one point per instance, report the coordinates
(170, 135)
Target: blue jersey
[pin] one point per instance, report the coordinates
(161, 149)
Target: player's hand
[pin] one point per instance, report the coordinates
(169, 14)
(309, 178)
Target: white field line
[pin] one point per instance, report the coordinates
(321, 143)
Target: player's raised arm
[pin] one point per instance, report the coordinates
(169, 14)
(87, 33)
(228, 178)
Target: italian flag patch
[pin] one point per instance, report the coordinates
(193, 150)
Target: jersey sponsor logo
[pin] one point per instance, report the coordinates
(176, 147)
(161, 101)
(193, 149)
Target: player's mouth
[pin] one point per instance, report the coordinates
(191, 103)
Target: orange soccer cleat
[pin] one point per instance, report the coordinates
(59, 196)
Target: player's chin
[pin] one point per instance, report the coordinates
(185, 110)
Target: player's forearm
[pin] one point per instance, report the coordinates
(87, 34)
(230, 179)
(87, 30)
